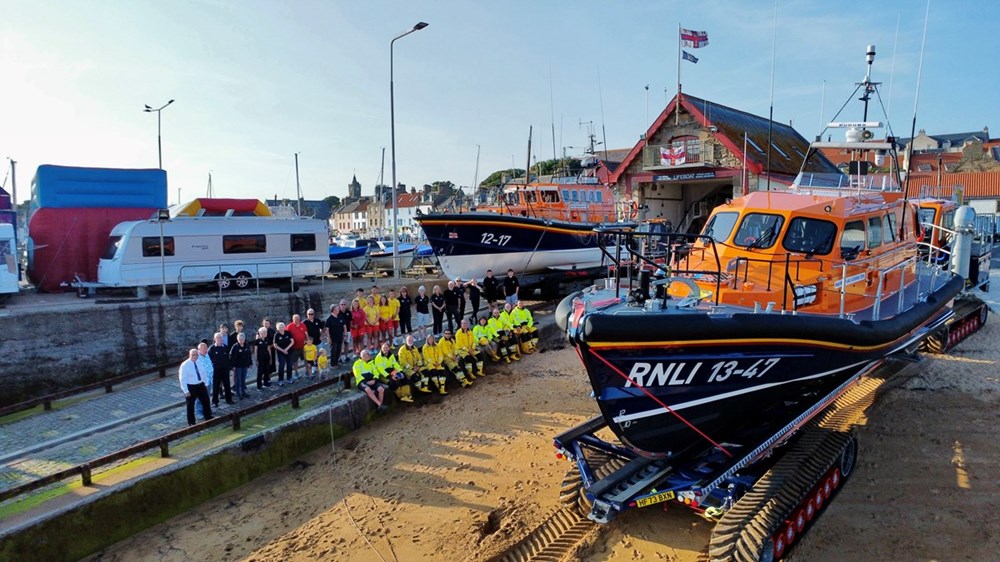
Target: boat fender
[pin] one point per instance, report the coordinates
(633, 210)
(565, 309)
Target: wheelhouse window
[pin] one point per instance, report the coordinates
(303, 242)
(874, 232)
(565, 194)
(720, 226)
(114, 242)
(759, 230)
(891, 217)
(530, 197)
(600, 197)
(151, 246)
(927, 215)
(888, 232)
(853, 238)
(550, 196)
(244, 244)
(810, 236)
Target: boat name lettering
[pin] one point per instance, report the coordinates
(199, 246)
(492, 239)
(849, 280)
(671, 374)
(682, 373)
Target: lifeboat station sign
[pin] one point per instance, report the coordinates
(687, 177)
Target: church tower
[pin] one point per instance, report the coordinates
(354, 189)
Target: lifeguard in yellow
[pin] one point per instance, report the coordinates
(366, 379)
(467, 348)
(434, 361)
(488, 339)
(451, 360)
(508, 340)
(388, 368)
(412, 362)
(394, 316)
(522, 317)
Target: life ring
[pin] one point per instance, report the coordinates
(633, 210)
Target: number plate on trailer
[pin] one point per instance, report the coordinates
(658, 498)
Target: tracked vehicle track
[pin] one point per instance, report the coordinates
(768, 519)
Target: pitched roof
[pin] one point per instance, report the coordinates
(408, 200)
(954, 139)
(788, 147)
(978, 185)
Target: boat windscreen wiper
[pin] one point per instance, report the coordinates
(764, 240)
(822, 244)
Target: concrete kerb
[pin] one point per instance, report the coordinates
(106, 517)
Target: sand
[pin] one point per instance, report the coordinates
(463, 478)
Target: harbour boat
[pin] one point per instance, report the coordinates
(348, 260)
(380, 255)
(532, 227)
(782, 301)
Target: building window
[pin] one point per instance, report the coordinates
(244, 244)
(151, 246)
(303, 242)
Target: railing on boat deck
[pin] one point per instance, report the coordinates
(673, 253)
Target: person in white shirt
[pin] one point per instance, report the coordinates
(192, 378)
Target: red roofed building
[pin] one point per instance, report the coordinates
(697, 154)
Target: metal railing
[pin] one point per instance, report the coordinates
(652, 158)
(85, 470)
(677, 251)
(107, 384)
(219, 274)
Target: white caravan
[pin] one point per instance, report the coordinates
(232, 250)
(8, 261)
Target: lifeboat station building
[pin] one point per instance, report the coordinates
(697, 154)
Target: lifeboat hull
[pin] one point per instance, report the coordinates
(667, 381)
(468, 244)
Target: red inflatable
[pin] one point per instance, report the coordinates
(69, 242)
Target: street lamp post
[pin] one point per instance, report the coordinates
(162, 216)
(392, 127)
(159, 139)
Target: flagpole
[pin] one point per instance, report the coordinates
(677, 115)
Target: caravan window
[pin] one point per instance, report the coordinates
(244, 244)
(113, 243)
(303, 242)
(151, 246)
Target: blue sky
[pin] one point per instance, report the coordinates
(256, 81)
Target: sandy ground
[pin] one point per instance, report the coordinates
(460, 479)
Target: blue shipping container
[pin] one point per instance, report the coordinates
(63, 187)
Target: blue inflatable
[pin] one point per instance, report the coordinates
(65, 187)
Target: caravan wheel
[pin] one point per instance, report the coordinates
(224, 280)
(242, 280)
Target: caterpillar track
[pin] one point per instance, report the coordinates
(768, 519)
(970, 315)
(559, 535)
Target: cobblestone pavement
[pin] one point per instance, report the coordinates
(59, 439)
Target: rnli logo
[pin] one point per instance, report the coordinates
(452, 235)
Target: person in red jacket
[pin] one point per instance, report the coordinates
(299, 332)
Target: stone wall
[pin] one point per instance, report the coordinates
(44, 352)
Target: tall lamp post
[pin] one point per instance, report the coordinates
(159, 139)
(162, 216)
(392, 127)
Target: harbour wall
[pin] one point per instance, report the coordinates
(42, 352)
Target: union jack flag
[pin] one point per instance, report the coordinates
(694, 39)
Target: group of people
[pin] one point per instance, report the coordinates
(218, 371)
(456, 358)
(368, 330)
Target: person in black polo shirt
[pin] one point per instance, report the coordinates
(262, 358)
(218, 354)
(335, 331)
(437, 310)
(451, 308)
(511, 287)
(314, 327)
(491, 290)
